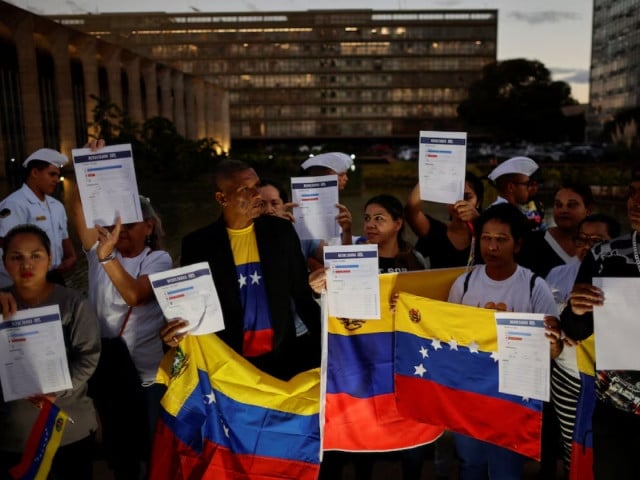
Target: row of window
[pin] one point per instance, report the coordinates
(345, 112)
(303, 96)
(295, 50)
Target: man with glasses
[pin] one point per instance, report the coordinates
(565, 377)
(616, 417)
(512, 179)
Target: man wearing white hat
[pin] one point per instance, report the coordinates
(33, 204)
(511, 179)
(333, 163)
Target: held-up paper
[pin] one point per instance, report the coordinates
(523, 351)
(617, 325)
(189, 293)
(107, 183)
(353, 288)
(316, 211)
(441, 167)
(33, 358)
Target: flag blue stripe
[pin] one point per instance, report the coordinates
(458, 369)
(361, 365)
(45, 437)
(251, 430)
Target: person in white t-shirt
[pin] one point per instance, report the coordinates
(503, 285)
(120, 259)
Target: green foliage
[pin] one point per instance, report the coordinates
(158, 148)
(516, 100)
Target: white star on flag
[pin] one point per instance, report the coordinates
(453, 345)
(473, 347)
(419, 370)
(424, 352)
(211, 398)
(226, 430)
(242, 280)
(435, 343)
(495, 356)
(255, 278)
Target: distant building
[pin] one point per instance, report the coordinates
(615, 58)
(49, 72)
(319, 74)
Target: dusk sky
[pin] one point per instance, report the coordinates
(556, 33)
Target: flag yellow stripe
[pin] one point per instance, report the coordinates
(236, 378)
(413, 315)
(425, 283)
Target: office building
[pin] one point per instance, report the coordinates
(319, 74)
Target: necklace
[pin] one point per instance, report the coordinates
(636, 255)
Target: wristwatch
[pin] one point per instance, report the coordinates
(108, 258)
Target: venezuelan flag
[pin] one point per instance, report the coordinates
(360, 406)
(582, 445)
(42, 444)
(447, 374)
(224, 419)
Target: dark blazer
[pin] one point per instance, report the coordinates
(286, 278)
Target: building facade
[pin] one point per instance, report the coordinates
(319, 74)
(615, 57)
(52, 76)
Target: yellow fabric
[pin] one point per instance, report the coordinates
(235, 377)
(244, 245)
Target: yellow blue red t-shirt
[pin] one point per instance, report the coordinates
(257, 324)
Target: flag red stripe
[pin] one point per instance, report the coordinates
(371, 424)
(494, 420)
(174, 460)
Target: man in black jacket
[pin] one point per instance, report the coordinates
(260, 275)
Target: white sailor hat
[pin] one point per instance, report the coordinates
(47, 155)
(336, 161)
(521, 165)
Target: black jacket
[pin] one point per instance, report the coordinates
(286, 279)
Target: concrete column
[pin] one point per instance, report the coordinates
(201, 121)
(177, 79)
(190, 108)
(89, 57)
(209, 110)
(166, 96)
(151, 89)
(112, 63)
(64, 91)
(135, 95)
(29, 90)
(220, 107)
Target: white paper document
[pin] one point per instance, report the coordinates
(617, 324)
(107, 184)
(441, 167)
(523, 350)
(33, 358)
(189, 293)
(353, 288)
(316, 211)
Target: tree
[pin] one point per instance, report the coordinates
(517, 100)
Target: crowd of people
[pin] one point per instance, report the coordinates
(268, 281)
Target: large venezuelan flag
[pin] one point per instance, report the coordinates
(360, 407)
(582, 445)
(224, 419)
(447, 374)
(42, 444)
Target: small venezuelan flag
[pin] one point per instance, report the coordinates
(42, 444)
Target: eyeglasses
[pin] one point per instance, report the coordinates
(584, 240)
(526, 184)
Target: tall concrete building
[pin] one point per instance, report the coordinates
(319, 74)
(615, 57)
(50, 73)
